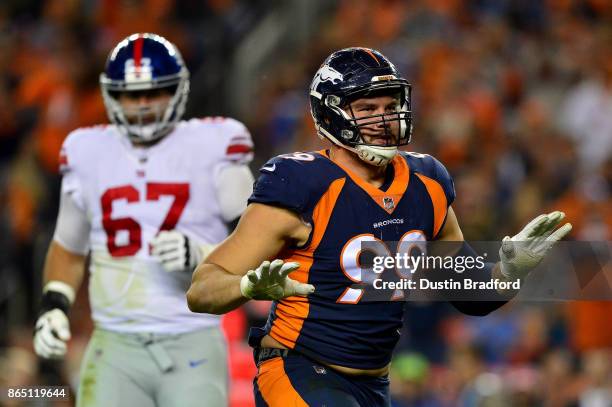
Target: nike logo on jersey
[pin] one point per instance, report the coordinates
(270, 168)
(195, 363)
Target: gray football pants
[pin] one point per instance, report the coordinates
(153, 370)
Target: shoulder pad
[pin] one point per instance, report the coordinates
(79, 145)
(293, 181)
(228, 138)
(430, 167)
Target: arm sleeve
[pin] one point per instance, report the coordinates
(72, 226)
(481, 308)
(234, 185)
(479, 302)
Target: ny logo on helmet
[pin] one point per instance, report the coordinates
(138, 73)
(324, 74)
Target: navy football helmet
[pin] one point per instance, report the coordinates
(144, 63)
(354, 73)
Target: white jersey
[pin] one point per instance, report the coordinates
(129, 194)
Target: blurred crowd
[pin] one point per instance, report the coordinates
(513, 96)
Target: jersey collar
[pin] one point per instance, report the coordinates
(389, 199)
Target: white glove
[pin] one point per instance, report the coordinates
(269, 281)
(524, 251)
(52, 333)
(176, 252)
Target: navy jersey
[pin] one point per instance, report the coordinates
(333, 325)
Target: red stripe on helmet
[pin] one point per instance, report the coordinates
(138, 51)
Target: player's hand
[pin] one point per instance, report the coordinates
(175, 251)
(52, 333)
(269, 281)
(521, 253)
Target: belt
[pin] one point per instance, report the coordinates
(262, 354)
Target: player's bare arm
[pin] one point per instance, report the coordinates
(451, 231)
(63, 265)
(261, 234)
(63, 274)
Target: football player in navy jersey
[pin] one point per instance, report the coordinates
(324, 344)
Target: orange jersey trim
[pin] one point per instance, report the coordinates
(395, 192)
(292, 311)
(323, 211)
(438, 200)
(275, 386)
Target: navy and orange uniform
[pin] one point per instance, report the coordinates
(333, 325)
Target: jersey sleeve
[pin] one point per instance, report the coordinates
(72, 227)
(280, 184)
(69, 169)
(237, 144)
(432, 168)
(441, 174)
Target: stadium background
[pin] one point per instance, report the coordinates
(514, 96)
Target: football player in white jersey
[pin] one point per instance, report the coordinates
(147, 197)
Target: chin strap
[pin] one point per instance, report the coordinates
(373, 155)
(377, 156)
